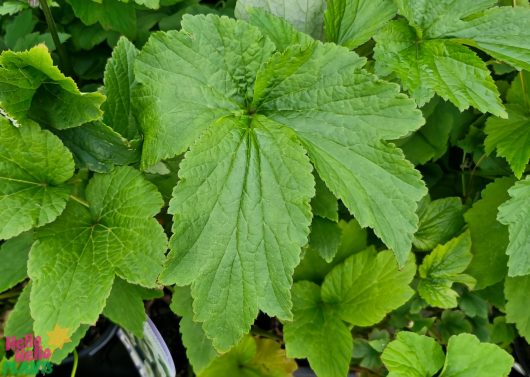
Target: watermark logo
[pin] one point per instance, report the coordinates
(29, 356)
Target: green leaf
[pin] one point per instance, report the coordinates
(490, 33)
(443, 267)
(515, 213)
(125, 306)
(34, 166)
(317, 334)
(252, 357)
(12, 7)
(31, 87)
(99, 148)
(116, 235)
(325, 238)
(21, 25)
(439, 66)
(118, 80)
(518, 301)
(367, 286)
(111, 14)
(467, 357)
(430, 141)
(304, 15)
(440, 220)
(258, 240)
(348, 153)
(19, 323)
(199, 349)
(277, 29)
(353, 22)
(173, 65)
(360, 291)
(413, 355)
(324, 203)
(511, 137)
(489, 238)
(314, 268)
(14, 254)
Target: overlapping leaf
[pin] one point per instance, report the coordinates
(246, 181)
(34, 168)
(359, 292)
(74, 260)
(31, 87)
(14, 253)
(516, 292)
(426, 50)
(515, 213)
(443, 267)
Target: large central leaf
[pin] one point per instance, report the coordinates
(242, 205)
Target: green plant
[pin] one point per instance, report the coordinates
(355, 170)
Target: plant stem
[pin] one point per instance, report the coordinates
(80, 201)
(76, 361)
(65, 62)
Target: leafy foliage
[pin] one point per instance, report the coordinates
(270, 141)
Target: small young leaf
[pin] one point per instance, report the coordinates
(116, 235)
(325, 238)
(443, 267)
(324, 204)
(413, 355)
(31, 87)
(34, 166)
(440, 220)
(515, 213)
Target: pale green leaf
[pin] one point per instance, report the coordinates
(441, 268)
(277, 29)
(515, 213)
(238, 184)
(19, 323)
(518, 301)
(34, 166)
(11, 7)
(489, 238)
(252, 357)
(305, 15)
(189, 83)
(118, 80)
(353, 22)
(199, 349)
(324, 204)
(125, 306)
(467, 357)
(14, 257)
(413, 355)
(317, 333)
(31, 87)
(430, 66)
(366, 173)
(111, 14)
(511, 137)
(325, 238)
(440, 220)
(367, 286)
(116, 235)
